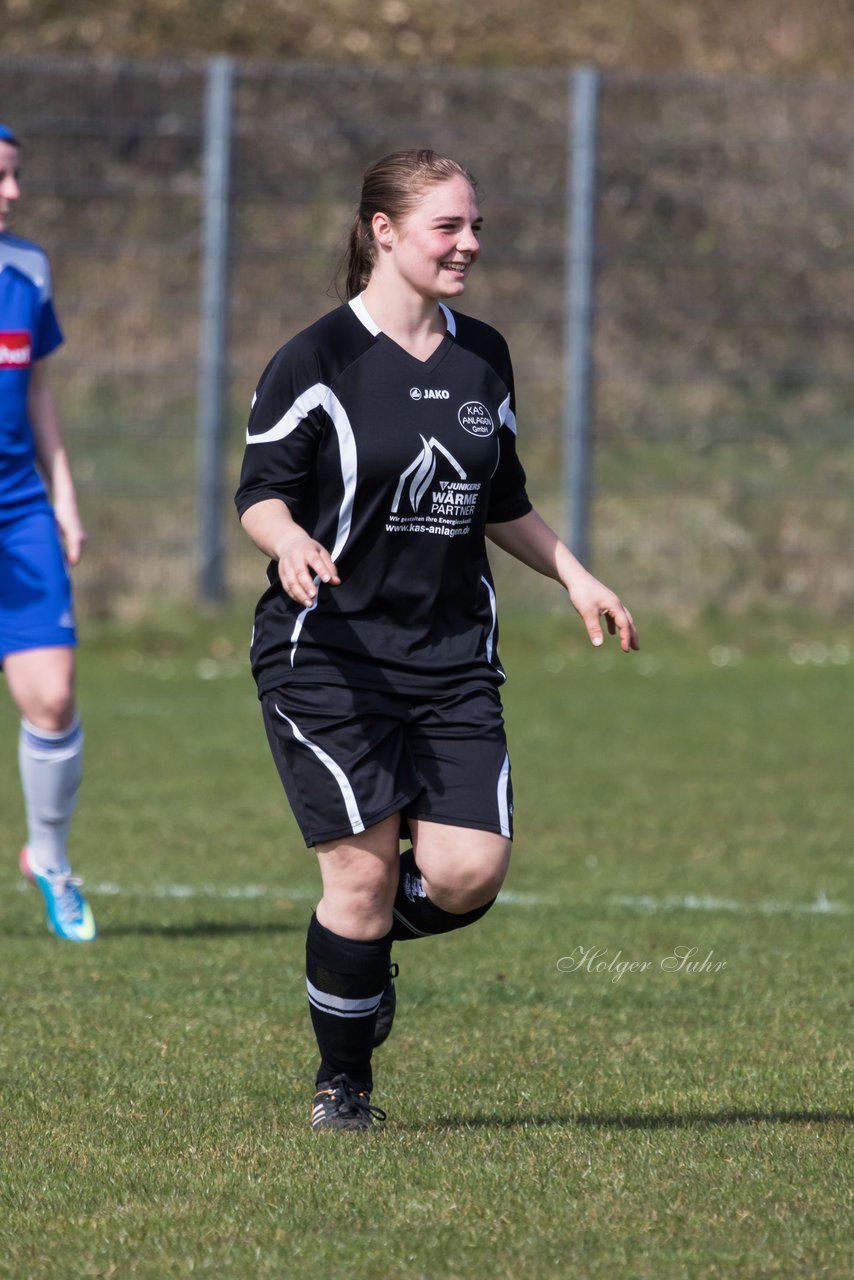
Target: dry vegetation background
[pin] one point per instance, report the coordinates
(720, 36)
(723, 460)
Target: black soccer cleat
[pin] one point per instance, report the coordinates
(338, 1104)
(387, 1008)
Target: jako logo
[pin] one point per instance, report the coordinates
(476, 419)
(428, 394)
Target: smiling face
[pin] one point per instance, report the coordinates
(9, 189)
(432, 249)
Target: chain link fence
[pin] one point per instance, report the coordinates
(720, 461)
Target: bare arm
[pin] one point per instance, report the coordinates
(53, 460)
(274, 531)
(530, 540)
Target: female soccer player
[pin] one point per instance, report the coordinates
(380, 456)
(37, 631)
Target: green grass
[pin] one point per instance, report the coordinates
(154, 1087)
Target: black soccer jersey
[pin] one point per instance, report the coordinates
(395, 465)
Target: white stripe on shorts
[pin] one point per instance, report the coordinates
(503, 787)
(337, 772)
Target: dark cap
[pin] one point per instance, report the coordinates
(6, 135)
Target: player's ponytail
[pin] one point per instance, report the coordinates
(392, 186)
(360, 255)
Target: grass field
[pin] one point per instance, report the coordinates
(547, 1118)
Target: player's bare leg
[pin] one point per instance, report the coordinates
(50, 755)
(461, 869)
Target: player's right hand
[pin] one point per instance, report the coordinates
(302, 561)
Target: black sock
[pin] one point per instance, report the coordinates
(415, 916)
(345, 979)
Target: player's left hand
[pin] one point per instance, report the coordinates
(71, 528)
(593, 601)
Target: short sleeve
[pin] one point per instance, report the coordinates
(283, 433)
(48, 335)
(508, 498)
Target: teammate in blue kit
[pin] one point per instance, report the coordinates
(37, 542)
(380, 457)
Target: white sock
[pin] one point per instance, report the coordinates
(51, 765)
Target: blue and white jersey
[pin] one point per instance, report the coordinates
(29, 330)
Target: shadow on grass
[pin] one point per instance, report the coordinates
(700, 1118)
(616, 1120)
(201, 929)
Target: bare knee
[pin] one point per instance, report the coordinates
(461, 869)
(359, 882)
(463, 892)
(357, 908)
(42, 686)
(53, 710)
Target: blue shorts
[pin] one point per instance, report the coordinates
(36, 607)
(349, 758)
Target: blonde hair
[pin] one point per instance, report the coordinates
(392, 186)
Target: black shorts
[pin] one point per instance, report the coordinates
(348, 758)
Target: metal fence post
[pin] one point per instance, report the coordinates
(213, 324)
(578, 307)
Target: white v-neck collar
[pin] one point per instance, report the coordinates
(362, 314)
